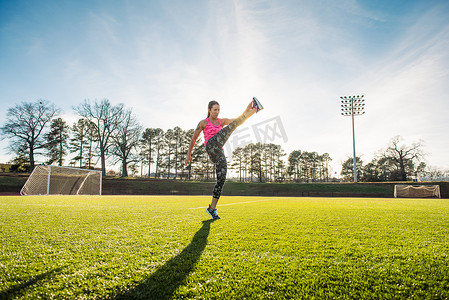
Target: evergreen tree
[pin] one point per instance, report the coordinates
(294, 164)
(347, 170)
(238, 161)
(57, 141)
(82, 142)
(149, 144)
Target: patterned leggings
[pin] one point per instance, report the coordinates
(214, 149)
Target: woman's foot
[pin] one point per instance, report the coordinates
(213, 213)
(250, 110)
(257, 104)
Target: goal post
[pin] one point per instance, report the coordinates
(56, 180)
(417, 191)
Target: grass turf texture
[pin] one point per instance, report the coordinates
(156, 247)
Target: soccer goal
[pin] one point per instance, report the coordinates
(417, 191)
(55, 180)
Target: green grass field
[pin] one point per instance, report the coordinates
(163, 247)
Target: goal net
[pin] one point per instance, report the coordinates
(417, 191)
(55, 180)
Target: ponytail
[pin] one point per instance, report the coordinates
(210, 105)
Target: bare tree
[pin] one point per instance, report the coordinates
(126, 140)
(404, 157)
(26, 125)
(105, 118)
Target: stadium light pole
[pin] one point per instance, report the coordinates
(353, 106)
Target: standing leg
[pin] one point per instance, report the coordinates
(218, 157)
(221, 168)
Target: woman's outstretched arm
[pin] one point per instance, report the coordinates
(201, 125)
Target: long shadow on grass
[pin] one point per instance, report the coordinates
(20, 289)
(164, 282)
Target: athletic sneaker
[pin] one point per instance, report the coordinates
(257, 104)
(212, 212)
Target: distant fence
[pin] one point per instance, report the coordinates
(434, 179)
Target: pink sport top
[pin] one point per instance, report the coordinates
(211, 130)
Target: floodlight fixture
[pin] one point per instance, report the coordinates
(353, 106)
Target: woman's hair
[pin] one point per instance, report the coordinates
(210, 105)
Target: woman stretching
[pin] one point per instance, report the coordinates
(215, 136)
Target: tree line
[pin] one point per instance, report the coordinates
(397, 162)
(111, 133)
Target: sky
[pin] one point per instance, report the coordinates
(167, 59)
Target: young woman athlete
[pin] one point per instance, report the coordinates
(215, 136)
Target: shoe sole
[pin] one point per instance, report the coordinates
(258, 104)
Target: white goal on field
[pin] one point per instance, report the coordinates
(417, 191)
(55, 180)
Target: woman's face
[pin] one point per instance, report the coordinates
(214, 111)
